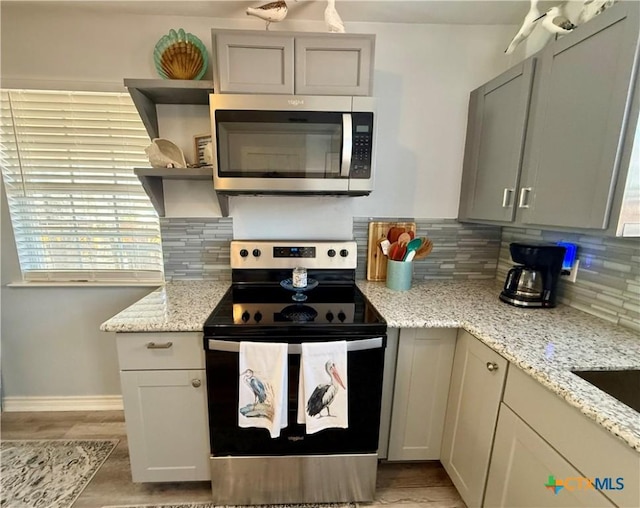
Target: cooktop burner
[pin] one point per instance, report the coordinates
(330, 309)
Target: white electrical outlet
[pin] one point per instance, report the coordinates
(570, 275)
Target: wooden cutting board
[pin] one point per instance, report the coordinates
(376, 260)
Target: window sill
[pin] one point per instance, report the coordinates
(55, 284)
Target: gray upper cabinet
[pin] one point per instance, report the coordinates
(495, 139)
(247, 61)
(549, 142)
(250, 62)
(578, 122)
(329, 65)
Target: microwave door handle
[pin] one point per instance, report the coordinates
(296, 349)
(347, 145)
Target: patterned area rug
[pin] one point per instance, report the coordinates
(209, 505)
(49, 473)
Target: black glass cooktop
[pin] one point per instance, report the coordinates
(329, 309)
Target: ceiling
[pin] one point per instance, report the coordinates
(466, 12)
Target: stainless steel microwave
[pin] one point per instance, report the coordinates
(282, 144)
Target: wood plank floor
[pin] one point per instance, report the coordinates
(414, 485)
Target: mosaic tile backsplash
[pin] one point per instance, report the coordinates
(608, 283)
(460, 251)
(196, 248)
(608, 279)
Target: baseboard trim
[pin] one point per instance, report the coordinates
(93, 403)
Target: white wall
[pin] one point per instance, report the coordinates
(423, 75)
(422, 80)
(51, 344)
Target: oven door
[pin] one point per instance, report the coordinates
(365, 363)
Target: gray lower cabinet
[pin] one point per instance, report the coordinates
(558, 156)
(164, 392)
(523, 463)
(539, 434)
(496, 127)
(246, 61)
(477, 382)
(423, 369)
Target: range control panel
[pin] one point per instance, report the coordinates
(247, 254)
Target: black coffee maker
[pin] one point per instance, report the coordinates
(533, 282)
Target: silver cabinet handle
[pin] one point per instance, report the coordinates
(492, 367)
(153, 345)
(196, 383)
(524, 197)
(506, 197)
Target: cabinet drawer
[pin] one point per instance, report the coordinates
(152, 351)
(590, 448)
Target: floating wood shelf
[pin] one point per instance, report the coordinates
(151, 180)
(146, 93)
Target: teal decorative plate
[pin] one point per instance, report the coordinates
(180, 55)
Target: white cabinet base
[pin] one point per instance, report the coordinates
(521, 465)
(420, 395)
(165, 413)
(477, 382)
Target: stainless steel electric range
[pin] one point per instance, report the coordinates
(333, 465)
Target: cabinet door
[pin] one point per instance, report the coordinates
(498, 113)
(578, 118)
(334, 65)
(253, 63)
(523, 464)
(472, 411)
(420, 394)
(167, 424)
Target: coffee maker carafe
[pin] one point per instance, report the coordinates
(533, 282)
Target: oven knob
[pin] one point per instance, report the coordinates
(331, 253)
(329, 316)
(256, 253)
(342, 316)
(246, 316)
(344, 253)
(244, 253)
(257, 316)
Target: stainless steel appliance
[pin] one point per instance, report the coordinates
(534, 282)
(279, 144)
(334, 465)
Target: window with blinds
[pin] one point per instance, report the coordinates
(78, 211)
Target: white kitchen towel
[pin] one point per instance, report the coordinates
(323, 393)
(262, 397)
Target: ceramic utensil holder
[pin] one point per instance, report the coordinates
(399, 275)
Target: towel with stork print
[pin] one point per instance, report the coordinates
(322, 388)
(262, 390)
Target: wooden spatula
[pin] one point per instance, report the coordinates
(425, 249)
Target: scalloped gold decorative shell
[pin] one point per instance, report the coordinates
(181, 60)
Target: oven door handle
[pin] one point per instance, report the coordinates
(296, 349)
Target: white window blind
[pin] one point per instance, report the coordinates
(77, 209)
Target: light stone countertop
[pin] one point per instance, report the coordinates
(545, 343)
(180, 306)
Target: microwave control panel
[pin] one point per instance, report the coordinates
(362, 145)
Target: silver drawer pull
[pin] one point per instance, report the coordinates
(153, 345)
(196, 383)
(491, 367)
